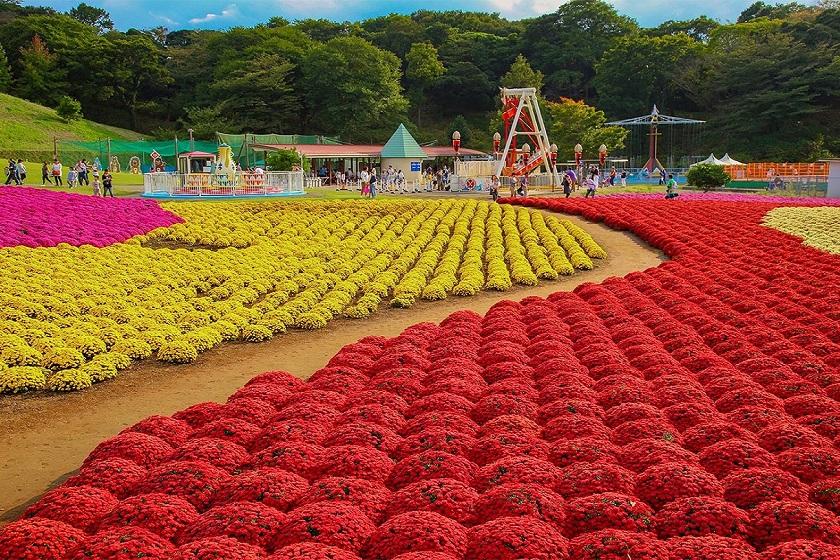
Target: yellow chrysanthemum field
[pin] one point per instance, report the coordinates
(72, 315)
(819, 227)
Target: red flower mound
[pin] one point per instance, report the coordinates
(143, 449)
(234, 430)
(160, 514)
(195, 481)
(364, 434)
(117, 476)
(827, 494)
(777, 522)
(354, 461)
(612, 544)
(517, 500)
(424, 556)
(710, 547)
(124, 543)
(585, 479)
(574, 427)
(608, 511)
(312, 551)
(435, 439)
(810, 465)
(700, 437)
(171, 430)
(331, 523)
(248, 522)
(219, 548)
(733, 455)
(274, 487)
(430, 465)
(79, 506)
(287, 431)
(666, 482)
(748, 488)
(514, 538)
(492, 447)
(495, 405)
(788, 435)
(525, 470)
(448, 497)
(294, 456)
(802, 549)
(39, 539)
(378, 414)
(218, 452)
(370, 497)
(447, 420)
(416, 531)
(649, 428)
(439, 402)
(583, 450)
(699, 516)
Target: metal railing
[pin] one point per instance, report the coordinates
(272, 183)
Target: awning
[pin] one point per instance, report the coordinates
(710, 160)
(350, 151)
(727, 160)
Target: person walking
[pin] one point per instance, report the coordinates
(96, 189)
(21, 171)
(11, 173)
(494, 187)
(107, 184)
(364, 177)
(56, 172)
(567, 185)
(373, 181)
(401, 181)
(613, 175)
(45, 174)
(591, 185)
(624, 178)
(82, 169)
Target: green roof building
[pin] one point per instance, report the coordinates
(403, 152)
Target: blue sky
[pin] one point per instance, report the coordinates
(220, 14)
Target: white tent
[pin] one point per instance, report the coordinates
(711, 159)
(727, 160)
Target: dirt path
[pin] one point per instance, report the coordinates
(44, 437)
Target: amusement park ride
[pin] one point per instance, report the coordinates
(522, 118)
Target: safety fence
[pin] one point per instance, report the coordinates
(763, 171)
(272, 183)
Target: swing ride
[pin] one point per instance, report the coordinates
(522, 117)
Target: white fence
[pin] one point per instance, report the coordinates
(273, 183)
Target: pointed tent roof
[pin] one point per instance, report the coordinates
(727, 160)
(711, 159)
(402, 145)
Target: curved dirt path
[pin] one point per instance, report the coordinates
(45, 437)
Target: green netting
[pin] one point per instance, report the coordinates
(241, 144)
(139, 148)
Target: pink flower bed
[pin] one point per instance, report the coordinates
(42, 218)
(735, 197)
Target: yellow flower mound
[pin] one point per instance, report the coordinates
(72, 316)
(818, 227)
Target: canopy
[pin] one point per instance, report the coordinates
(711, 160)
(727, 160)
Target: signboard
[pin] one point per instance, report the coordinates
(154, 155)
(416, 166)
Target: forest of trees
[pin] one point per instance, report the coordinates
(768, 84)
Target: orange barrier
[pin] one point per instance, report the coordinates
(758, 171)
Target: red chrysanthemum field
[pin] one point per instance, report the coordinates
(685, 412)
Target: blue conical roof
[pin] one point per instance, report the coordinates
(402, 145)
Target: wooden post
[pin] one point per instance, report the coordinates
(55, 147)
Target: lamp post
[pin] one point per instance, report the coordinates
(456, 142)
(578, 155)
(497, 144)
(192, 142)
(526, 153)
(602, 154)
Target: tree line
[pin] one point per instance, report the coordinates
(766, 84)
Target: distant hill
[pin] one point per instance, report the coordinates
(28, 129)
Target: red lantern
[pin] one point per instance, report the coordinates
(578, 154)
(456, 142)
(602, 154)
(497, 143)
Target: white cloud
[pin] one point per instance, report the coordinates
(229, 12)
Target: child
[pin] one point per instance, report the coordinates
(71, 177)
(107, 184)
(45, 174)
(494, 187)
(591, 186)
(96, 190)
(623, 178)
(567, 185)
(671, 188)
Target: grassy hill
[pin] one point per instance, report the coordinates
(29, 127)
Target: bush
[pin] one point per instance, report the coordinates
(285, 160)
(707, 176)
(69, 109)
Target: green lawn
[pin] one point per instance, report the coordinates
(29, 126)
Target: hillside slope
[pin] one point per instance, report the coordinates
(31, 127)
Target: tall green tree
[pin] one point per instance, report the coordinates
(576, 122)
(39, 77)
(566, 45)
(460, 124)
(423, 67)
(774, 11)
(699, 28)
(5, 73)
(463, 89)
(639, 71)
(522, 75)
(91, 15)
(260, 97)
(352, 88)
(137, 71)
